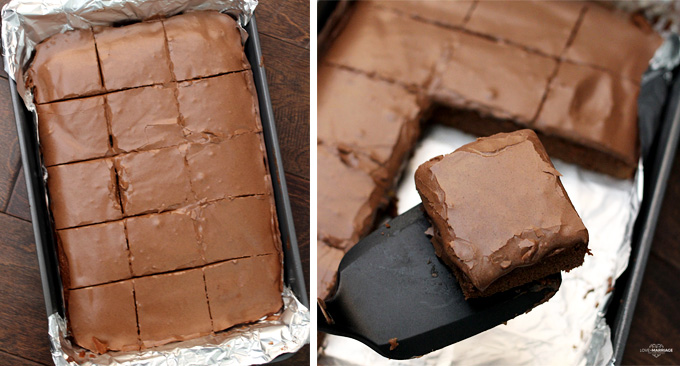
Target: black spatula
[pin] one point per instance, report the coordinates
(397, 297)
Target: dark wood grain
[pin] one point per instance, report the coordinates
(289, 89)
(10, 359)
(23, 329)
(655, 322)
(10, 156)
(18, 200)
(288, 20)
(667, 235)
(656, 319)
(298, 190)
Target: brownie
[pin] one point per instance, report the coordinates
(73, 130)
(172, 307)
(596, 110)
(220, 106)
(448, 13)
(65, 66)
(140, 175)
(493, 240)
(242, 227)
(494, 78)
(163, 242)
(133, 55)
(328, 259)
(103, 317)
(243, 290)
(156, 167)
(204, 33)
(83, 193)
(624, 48)
(232, 167)
(347, 200)
(539, 25)
(144, 118)
(94, 254)
(379, 41)
(382, 125)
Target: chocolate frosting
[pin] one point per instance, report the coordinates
(73, 130)
(172, 307)
(141, 174)
(163, 242)
(450, 13)
(243, 290)
(594, 108)
(232, 167)
(383, 117)
(96, 254)
(221, 106)
(328, 259)
(540, 25)
(204, 33)
(133, 55)
(371, 43)
(65, 66)
(495, 78)
(629, 47)
(342, 218)
(83, 193)
(242, 227)
(103, 317)
(144, 118)
(486, 231)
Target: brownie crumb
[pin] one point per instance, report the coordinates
(393, 343)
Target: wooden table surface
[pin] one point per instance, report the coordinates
(284, 34)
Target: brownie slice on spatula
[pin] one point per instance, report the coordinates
(500, 214)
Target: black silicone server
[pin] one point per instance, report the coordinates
(395, 295)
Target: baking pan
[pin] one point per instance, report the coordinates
(659, 120)
(42, 227)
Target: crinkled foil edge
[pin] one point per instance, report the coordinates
(253, 344)
(25, 23)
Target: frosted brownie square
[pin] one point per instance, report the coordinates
(243, 290)
(83, 193)
(73, 130)
(94, 254)
(103, 317)
(65, 66)
(240, 227)
(500, 215)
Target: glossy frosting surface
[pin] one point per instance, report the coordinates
(73, 130)
(487, 230)
(243, 290)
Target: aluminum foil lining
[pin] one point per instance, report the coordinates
(258, 343)
(570, 328)
(664, 15)
(25, 23)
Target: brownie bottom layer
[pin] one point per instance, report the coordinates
(564, 261)
(475, 123)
